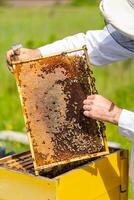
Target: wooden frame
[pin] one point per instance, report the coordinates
(52, 90)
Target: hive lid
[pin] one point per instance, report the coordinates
(52, 90)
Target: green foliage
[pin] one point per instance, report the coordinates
(84, 2)
(14, 146)
(3, 2)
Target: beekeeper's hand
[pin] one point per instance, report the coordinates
(99, 108)
(23, 55)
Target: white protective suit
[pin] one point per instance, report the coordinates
(104, 47)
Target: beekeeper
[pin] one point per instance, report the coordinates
(115, 42)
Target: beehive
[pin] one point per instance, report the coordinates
(104, 178)
(52, 90)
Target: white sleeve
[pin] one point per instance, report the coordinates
(102, 48)
(126, 124)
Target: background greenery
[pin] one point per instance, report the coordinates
(84, 2)
(34, 27)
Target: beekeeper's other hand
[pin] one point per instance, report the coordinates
(100, 108)
(24, 54)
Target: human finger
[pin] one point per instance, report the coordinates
(87, 107)
(91, 97)
(9, 61)
(87, 102)
(86, 113)
(9, 57)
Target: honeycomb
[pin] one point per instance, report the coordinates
(52, 91)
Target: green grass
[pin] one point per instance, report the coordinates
(84, 2)
(34, 27)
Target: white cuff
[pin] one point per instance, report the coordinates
(126, 124)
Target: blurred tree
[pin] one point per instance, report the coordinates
(3, 2)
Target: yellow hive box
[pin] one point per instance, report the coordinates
(105, 178)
